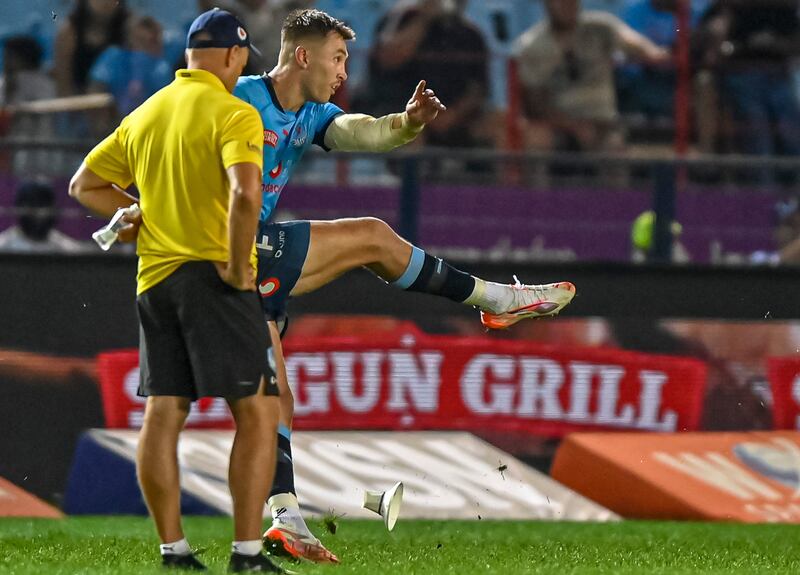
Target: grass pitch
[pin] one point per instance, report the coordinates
(121, 545)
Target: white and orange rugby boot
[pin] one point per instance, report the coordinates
(289, 536)
(530, 301)
(283, 542)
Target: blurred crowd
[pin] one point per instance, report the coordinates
(585, 79)
(572, 79)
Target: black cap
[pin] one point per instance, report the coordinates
(218, 29)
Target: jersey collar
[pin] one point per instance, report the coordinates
(203, 76)
(271, 89)
(274, 97)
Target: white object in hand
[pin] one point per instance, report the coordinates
(108, 234)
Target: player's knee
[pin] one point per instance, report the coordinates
(375, 234)
(166, 412)
(257, 416)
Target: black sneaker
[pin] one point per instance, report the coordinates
(188, 562)
(255, 563)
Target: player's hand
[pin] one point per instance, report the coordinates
(241, 279)
(423, 107)
(130, 232)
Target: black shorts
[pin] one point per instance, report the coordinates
(282, 249)
(199, 337)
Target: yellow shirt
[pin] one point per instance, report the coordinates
(176, 147)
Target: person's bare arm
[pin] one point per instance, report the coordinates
(97, 194)
(245, 205)
(640, 48)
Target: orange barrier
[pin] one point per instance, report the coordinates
(748, 477)
(16, 502)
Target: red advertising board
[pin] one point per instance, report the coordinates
(409, 380)
(784, 380)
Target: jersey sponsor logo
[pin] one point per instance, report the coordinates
(270, 138)
(271, 188)
(269, 286)
(276, 171)
(300, 137)
(281, 243)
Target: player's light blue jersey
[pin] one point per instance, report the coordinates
(287, 135)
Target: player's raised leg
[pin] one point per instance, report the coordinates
(288, 536)
(338, 246)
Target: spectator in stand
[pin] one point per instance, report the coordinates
(23, 79)
(93, 26)
(751, 44)
(133, 73)
(566, 70)
(34, 232)
(432, 40)
(649, 90)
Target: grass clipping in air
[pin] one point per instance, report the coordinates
(122, 545)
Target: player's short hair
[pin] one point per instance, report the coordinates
(313, 23)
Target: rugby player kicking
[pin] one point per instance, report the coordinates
(298, 257)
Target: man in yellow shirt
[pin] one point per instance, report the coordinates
(194, 151)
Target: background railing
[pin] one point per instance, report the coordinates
(490, 205)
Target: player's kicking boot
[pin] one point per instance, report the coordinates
(289, 535)
(501, 305)
(529, 301)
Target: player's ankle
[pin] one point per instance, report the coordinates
(490, 296)
(286, 514)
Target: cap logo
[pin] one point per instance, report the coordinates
(242, 34)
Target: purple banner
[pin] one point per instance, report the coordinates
(527, 224)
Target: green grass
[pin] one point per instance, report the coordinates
(128, 545)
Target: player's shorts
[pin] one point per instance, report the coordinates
(199, 337)
(282, 250)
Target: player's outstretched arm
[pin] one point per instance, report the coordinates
(363, 133)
